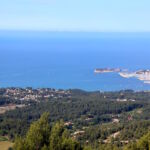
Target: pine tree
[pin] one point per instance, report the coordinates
(40, 136)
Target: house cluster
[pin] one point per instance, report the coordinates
(33, 94)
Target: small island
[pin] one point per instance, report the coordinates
(107, 70)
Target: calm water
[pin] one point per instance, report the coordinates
(68, 60)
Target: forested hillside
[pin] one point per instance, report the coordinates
(90, 120)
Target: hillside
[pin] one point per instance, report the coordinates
(94, 119)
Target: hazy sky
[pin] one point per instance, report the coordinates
(75, 15)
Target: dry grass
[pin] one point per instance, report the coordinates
(4, 145)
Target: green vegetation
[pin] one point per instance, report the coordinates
(41, 136)
(3, 138)
(93, 120)
(142, 144)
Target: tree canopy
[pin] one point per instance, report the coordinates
(41, 136)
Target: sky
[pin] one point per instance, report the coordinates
(76, 15)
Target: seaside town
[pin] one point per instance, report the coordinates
(26, 94)
(12, 98)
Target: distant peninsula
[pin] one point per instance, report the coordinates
(142, 75)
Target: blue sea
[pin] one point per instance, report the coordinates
(66, 60)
